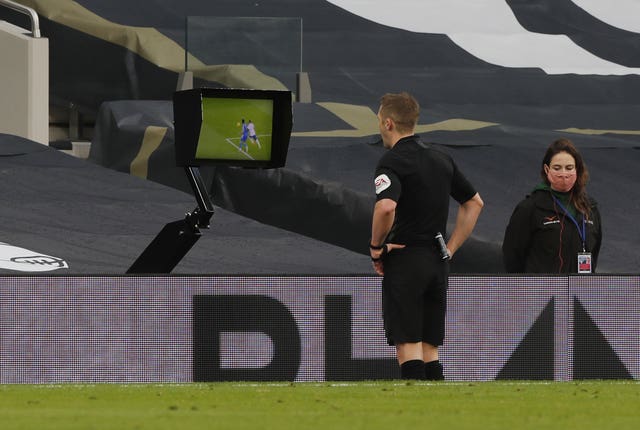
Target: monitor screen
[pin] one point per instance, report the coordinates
(247, 128)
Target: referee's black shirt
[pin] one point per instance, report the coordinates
(420, 179)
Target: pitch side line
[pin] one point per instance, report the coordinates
(238, 148)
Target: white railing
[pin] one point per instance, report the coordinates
(35, 21)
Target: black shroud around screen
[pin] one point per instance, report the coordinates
(214, 119)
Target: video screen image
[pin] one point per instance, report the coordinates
(235, 129)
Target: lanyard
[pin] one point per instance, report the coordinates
(581, 231)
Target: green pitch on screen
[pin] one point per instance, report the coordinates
(220, 134)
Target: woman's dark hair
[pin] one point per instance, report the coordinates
(579, 191)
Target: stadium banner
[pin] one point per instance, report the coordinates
(177, 329)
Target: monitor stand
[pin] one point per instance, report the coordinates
(173, 242)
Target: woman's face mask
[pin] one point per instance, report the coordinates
(561, 172)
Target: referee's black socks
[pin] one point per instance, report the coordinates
(433, 371)
(418, 369)
(412, 369)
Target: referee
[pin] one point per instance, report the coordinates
(413, 183)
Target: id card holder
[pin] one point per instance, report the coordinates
(584, 262)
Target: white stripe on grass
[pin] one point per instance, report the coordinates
(228, 139)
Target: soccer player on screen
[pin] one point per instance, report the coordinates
(252, 133)
(243, 137)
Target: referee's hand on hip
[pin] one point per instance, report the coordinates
(378, 253)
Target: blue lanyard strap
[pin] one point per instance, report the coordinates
(581, 231)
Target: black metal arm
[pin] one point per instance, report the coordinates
(178, 237)
(200, 216)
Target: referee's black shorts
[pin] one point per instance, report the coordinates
(414, 295)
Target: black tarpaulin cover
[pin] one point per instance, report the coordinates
(497, 82)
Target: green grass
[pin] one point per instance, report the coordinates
(221, 129)
(391, 405)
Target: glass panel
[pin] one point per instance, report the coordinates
(272, 45)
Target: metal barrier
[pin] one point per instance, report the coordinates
(35, 21)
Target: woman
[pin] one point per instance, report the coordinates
(555, 229)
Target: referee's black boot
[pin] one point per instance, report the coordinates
(433, 371)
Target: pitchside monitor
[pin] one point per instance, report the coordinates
(237, 127)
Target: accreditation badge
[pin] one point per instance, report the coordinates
(584, 262)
